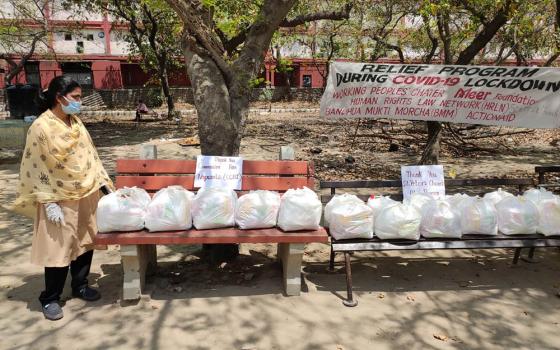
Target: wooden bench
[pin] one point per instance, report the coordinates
(138, 249)
(466, 242)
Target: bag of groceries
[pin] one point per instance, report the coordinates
(122, 210)
(418, 200)
(517, 215)
(549, 216)
(170, 210)
(300, 209)
(214, 208)
(257, 209)
(535, 195)
(496, 196)
(478, 217)
(378, 203)
(349, 217)
(337, 200)
(401, 221)
(440, 220)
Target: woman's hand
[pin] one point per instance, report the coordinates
(54, 213)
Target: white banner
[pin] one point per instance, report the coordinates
(214, 171)
(507, 96)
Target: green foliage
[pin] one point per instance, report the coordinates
(284, 65)
(154, 98)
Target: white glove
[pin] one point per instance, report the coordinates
(54, 213)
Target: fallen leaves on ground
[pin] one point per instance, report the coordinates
(441, 337)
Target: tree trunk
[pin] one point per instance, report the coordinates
(430, 155)
(167, 92)
(221, 115)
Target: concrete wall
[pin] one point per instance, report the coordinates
(128, 98)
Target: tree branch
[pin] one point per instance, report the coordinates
(341, 14)
(488, 32)
(198, 35)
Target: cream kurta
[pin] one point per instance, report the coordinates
(57, 246)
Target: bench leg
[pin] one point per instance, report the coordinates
(290, 254)
(531, 256)
(350, 302)
(137, 261)
(331, 261)
(516, 255)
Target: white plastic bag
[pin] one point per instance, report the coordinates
(455, 199)
(496, 196)
(257, 209)
(517, 215)
(122, 210)
(399, 221)
(214, 208)
(418, 200)
(440, 220)
(535, 195)
(378, 203)
(349, 217)
(549, 216)
(338, 200)
(300, 209)
(478, 217)
(170, 210)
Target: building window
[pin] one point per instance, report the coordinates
(90, 37)
(32, 75)
(307, 82)
(67, 36)
(80, 47)
(79, 71)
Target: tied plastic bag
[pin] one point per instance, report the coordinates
(300, 209)
(456, 199)
(549, 216)
(257, 209)
(378, 203)
(517, 215)
(338, 200)
(496, 196)
(399, 221)
(214, 208)
(440, 220)
(418, 200)
(170, 210)
(122, 210)
(349, 217)
(478, 217)
(535, 195)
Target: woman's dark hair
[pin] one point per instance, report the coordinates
(60, 85)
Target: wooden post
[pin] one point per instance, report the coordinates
(138, 260)
(290, 254)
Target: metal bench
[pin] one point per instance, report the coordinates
(471, 186)
(138, 249)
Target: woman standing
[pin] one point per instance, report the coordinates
(60, 178)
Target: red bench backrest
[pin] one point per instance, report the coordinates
(272, 175)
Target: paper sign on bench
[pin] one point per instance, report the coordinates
(423, 179)
(213, 171)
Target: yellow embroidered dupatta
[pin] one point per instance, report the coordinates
(59, 163)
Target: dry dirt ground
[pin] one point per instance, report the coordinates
(427, 300)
